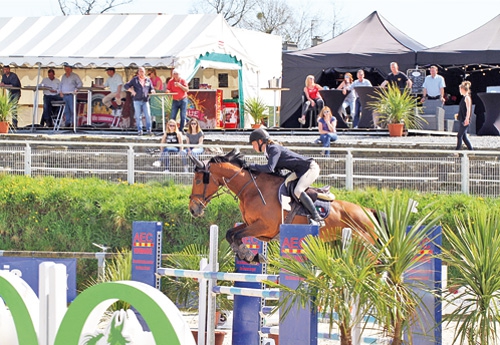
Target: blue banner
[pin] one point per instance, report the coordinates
(27, 268)
(146, 252)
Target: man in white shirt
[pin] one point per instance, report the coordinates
(361, 81)
(50, 85)
(117, 96)
(69, 85)
(433, 87)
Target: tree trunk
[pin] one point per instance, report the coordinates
(398, 332)
(345, 335)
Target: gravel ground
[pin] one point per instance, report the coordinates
(421, 140)
(191, 319)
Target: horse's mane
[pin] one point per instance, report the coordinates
(237, 158)
(234, 157)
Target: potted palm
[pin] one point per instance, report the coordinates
(7, 107)
(257, 109)
(397, 109)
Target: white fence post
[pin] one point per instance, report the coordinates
(27, 160)
(465, 174)
(130, 165)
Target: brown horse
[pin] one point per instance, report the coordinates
(259, 203)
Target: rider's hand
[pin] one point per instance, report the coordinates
(246, 166)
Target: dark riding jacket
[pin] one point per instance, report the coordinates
(279, 157)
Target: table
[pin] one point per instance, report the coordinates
(366, 94)
(163, 94)
(275, 89)
(491, 103)
(89, 91)
(333, 98)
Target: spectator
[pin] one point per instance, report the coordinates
(194, 136)
(116, 97)
(397, 77)
(69, 85)
(172, 137)
(313, 98)
(11, 79)
(361, 81)
(157, 83)
(350, 99)
(155, 102)
(463, 116)
(327, 124)
(50, 85)
(433, 87)
(180, 87)
(141, 87)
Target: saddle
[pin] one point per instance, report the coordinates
(321, 198)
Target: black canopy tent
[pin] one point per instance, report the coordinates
(370, 45)
(474, 57)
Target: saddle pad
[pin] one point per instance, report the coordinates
(322, 206)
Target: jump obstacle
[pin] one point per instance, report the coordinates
(299, 327)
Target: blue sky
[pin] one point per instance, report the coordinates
(429, 22)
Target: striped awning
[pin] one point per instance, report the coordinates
(116, 40)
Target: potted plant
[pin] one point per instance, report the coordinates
(7, 107)
(397, 109)
(257, 109)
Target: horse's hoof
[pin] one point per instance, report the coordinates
(259, 259)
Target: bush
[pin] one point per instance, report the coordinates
(63, 214)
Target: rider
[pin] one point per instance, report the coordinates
(279, 157)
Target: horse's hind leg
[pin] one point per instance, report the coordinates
(237, 245)
(234, 237)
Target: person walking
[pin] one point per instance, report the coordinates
(463, 115)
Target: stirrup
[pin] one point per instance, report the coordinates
(320, 223)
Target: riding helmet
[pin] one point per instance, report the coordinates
(257, 134)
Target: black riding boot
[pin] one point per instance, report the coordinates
(306, 201)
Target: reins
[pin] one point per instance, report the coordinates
(203, 199)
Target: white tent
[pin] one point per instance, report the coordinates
(186, 42)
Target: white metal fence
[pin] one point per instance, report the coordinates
(476, 172)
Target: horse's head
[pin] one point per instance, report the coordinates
(205, 184)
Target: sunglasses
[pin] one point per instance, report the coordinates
(171, 125)
(326, 111)
(193, 123)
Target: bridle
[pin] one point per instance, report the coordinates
(204, 199)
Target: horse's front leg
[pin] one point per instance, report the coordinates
(235, 235)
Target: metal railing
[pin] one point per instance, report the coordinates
(437, 171)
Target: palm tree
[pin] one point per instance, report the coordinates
(475, 255)
(398, 245)
(335, 278)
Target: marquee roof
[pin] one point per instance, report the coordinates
(115, 40)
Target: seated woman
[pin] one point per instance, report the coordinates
(350, 99)
(194, 136)
(171, 136)
(313, 98)
(327, 124)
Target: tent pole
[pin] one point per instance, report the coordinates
(35, 105)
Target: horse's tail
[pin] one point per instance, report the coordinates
(379, 216)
